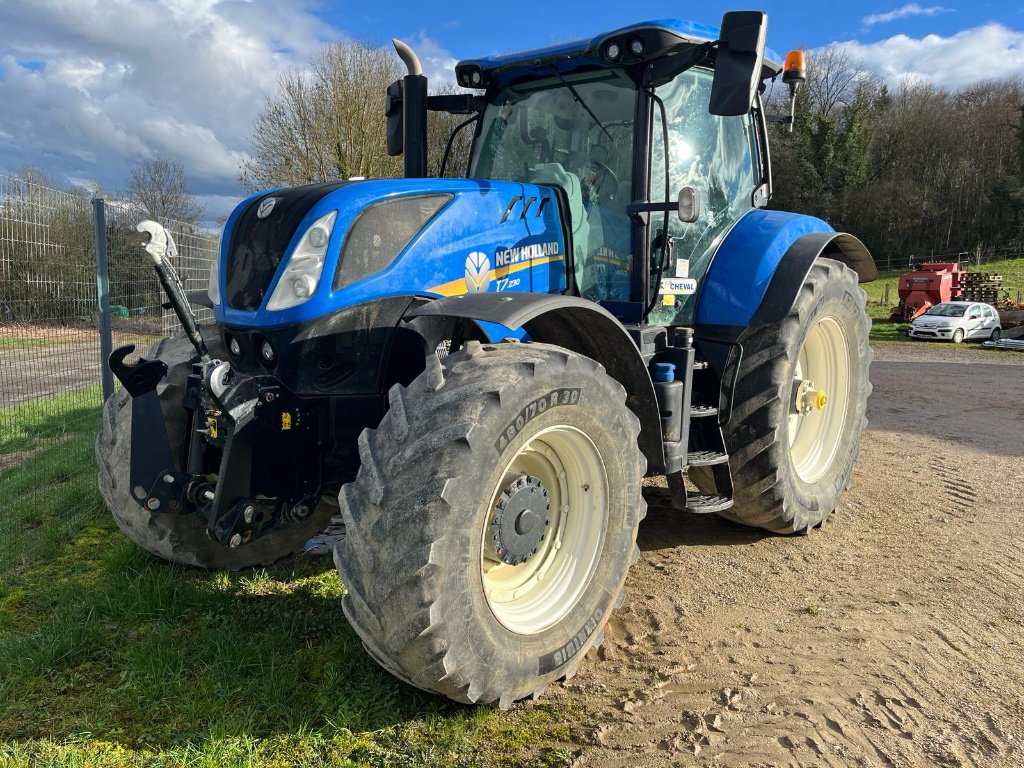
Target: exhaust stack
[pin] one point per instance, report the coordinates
(414, 113)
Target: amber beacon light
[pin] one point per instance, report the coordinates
(794, 71)
(794, 74)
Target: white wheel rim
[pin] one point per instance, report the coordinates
(814, 434)
(535, 595)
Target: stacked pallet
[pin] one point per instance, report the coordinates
(982, 286)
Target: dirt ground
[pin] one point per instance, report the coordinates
(890, 637)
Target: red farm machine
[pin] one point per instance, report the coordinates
(931, 283)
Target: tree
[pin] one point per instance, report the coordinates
(161, 187)
(33, 174)
(327, 122)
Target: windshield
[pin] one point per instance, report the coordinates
(576, 133)
(947, 310)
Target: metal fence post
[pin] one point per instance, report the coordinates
(103, 294)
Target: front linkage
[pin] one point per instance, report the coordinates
(251, 456)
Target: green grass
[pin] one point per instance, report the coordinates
(38, 422)
(110, 657)
(1012, 271)
(23, 343)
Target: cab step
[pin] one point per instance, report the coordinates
(706, 505)
(706, 458)
(700, 411)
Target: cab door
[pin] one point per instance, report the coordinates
(717, 156)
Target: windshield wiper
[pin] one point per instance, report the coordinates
(582, 103)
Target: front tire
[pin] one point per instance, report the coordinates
(180, 538)
(492, 522)
(799, 406)
(958, 335)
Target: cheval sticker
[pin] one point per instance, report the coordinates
(533, 410)
(678, 286)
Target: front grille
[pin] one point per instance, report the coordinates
(257, 245)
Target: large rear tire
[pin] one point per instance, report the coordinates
(180, 538)
(492, 522)
(799, 406)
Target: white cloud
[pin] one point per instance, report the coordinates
(89, 88)
(911, 9)
(127, 80)
(438, 63)
(988, 52)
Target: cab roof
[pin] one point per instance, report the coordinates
(661, 37)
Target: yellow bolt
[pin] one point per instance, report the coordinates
(820, 399)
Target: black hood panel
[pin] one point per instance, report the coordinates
(256, 245)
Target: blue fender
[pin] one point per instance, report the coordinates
(745, 262)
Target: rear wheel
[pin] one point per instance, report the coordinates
(492, 522)
(996, 333)
(799, 406)
(180, 537)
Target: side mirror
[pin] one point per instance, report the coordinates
(689, 205)
(393, 112)
(738, 61)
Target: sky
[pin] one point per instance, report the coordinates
(90, 88)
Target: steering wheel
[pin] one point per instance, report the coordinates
(602, 184)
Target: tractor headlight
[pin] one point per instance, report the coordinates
(381, 232)
(301, 276)
(213, 289)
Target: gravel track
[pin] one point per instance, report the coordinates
(890, 637)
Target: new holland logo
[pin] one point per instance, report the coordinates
(478, 272)
(266, 207)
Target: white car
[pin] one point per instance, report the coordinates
(957, 320)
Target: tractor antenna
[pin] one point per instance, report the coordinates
(794, 74)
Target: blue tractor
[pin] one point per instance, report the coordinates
(476, 374)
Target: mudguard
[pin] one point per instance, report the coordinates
(754, 279)
(764, 244)
(576, 324)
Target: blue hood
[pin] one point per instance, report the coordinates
(487, 235)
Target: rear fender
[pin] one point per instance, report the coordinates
(762, 263)
(740, 292)
(576, 324)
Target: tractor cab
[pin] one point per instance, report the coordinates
(579, 133)
(645, 113)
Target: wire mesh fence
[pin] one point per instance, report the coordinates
(966, 259)
(50, 338)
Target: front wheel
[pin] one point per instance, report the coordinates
(492, 522)
(958, 335)
(799, 405)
